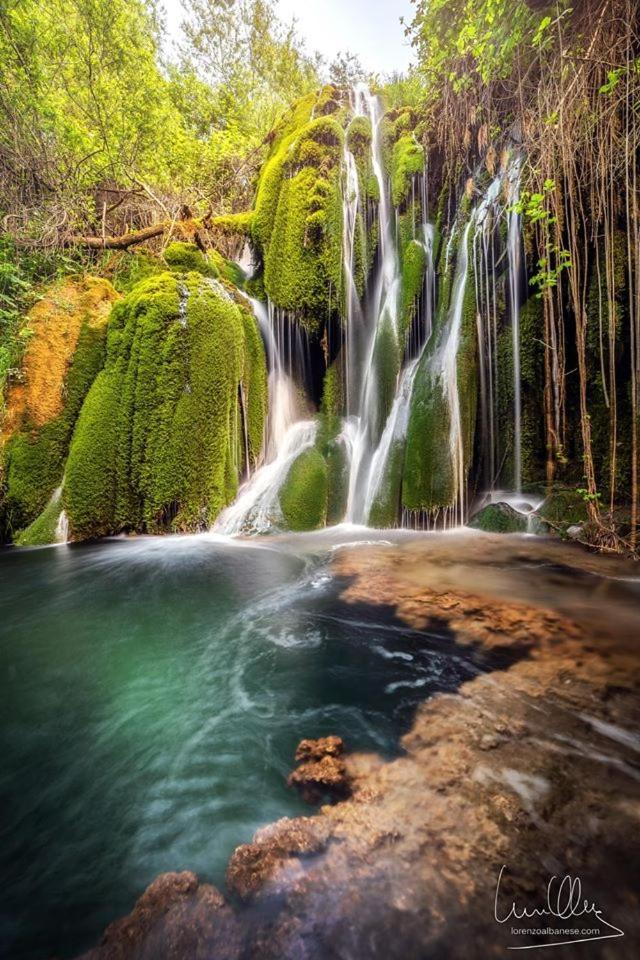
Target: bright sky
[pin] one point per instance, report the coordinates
(369, 28)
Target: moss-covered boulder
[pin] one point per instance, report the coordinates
(303, 497)
(499, 518)
(65, 352)
(564, 507)
(160, 441)
(297, 221)
(186, 257)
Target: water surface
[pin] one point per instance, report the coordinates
(152, 693)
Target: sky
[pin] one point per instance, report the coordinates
(369, 28)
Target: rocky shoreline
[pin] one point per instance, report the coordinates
(533, 765)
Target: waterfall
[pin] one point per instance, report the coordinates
(283, 407)
(447, 359)
(352, 311)
(383, 365)
(513, 246)
(381, 322)
(393, 434)
(256, 508)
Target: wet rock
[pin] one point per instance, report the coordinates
(574, 532)
(319, 780)
(564, 507)
(317, 749)
(176, 916)
(253, 865)
(499, 518)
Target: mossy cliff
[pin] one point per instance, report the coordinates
(429, 482)
(297, 224)
(159, 444)
(64, 355)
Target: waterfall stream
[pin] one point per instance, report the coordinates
(376, 411)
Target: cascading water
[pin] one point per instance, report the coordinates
(513, 246)
(381, 361)
(256, 508)
(381, 324)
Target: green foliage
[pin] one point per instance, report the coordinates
(255, 63)
(468, 41)
(20, 274)
(532, 206)
(303, 497)
(158, 445)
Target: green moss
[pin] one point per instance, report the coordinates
(499, 518)
(227, 269)
(235, 223)
(34, 459)
(414, 264)
(184, 257)
(127, 268)
(332, 403)
(337, 481)
(564, 507)
(407, 160)
(303, 497)
(43, 530)
(385, 508)
(428, 480)
(297, 222)
(359, 136)
(159, 442)
(386, 362)
(328, 101)
(254, 383)
(304, 255)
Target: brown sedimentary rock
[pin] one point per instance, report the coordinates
(317, 749)
(273, 848)
(175, 917)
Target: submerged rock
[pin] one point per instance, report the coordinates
(499, 518)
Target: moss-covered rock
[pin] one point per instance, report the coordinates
(386, 506)
(407, 160)
(44, 529)
(65, 353)
(414, 263)
(428, 481)
(186, 257)
(499, 518)
(297, 220)
(303, 497)
(564, 507)
(159, 442)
